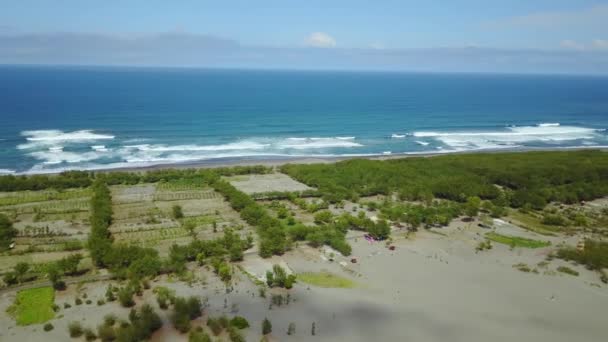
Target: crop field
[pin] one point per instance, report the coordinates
(143, 214)
(47, 221)
(251, 184)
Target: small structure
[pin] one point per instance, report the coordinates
(392, 248)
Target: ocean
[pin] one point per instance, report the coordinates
(63, 118)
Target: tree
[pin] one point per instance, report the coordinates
(7, 232)
(54, 275)
(20, 270)
(266, 327)
(291, 330)
(472, 206)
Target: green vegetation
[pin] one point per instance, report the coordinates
(515, 241)
(7, 232)
(522, 267)
(33, 306)
(567, 270)
(266, 327)
(278, 278)
(184, 311)
(100, 241)
(75, 329)
(325, 279)
(531, 179)
(594, 256)
(64, 180)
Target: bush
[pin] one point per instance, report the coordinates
(106, 333)
(214, 325)
(78, 301)
(89, 335)
(198, 336)
(239, 322)
(567, 270)
(125, 297)
(177, 212)
(235, 335)
(75, 329)
(48, 327)
(109, 320)
(101, 302)
(266, 327)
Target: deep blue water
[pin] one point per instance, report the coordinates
(55, 118)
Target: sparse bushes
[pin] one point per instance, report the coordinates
(48, 327)
(198, 336)
(594, 256)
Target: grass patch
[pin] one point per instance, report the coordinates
(33, 306)
(325, 279)
(567, 270)
(532, 223)
(515, 241)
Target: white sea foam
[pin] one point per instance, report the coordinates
(314, 143)
(511, 136)
(45, 138)
(556, 124)
(423, 143)
(99, 148)
(56, 148)
(397, 136)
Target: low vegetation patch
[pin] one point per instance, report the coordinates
(515, 241)
(567, 270)
(594, 255)
(325, 279)
(33, 306)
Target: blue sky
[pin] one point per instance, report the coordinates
(467, 35)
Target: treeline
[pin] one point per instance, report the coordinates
(520, 179)
(82, 179)
(273, 239)
(64, 180)
(100, 239)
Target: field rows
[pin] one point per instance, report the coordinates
(40, 196)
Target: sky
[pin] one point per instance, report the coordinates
(555, 36)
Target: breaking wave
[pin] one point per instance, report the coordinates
(513, 136)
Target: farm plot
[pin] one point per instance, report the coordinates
(144, 214)
(251, 184)
(48, 220)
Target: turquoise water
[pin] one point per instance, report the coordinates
(57, 118)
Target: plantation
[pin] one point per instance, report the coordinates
(527, 179)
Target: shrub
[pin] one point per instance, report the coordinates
(177, 212)
(75, 329)
(125, 297)
(239, 322)
(48, 327)
(235, 335)
(101, 302)
(567, 270)
(88, 302)
(106, 333)
(214, 325)
(266, 327)
(198, 336)
(78, 301)
(89, 335)
(109, 320)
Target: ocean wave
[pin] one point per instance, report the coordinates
(99, 148)
(423, 143)
(244, 145)
(553, 124)
(398, 136)
(314, 143)
(512, 136)
(44, 138)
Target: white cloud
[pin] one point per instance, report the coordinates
(320, 40)
(600, 44)
(571, 45)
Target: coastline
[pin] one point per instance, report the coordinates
(279, 161)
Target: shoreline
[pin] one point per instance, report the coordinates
(282, 160)
(279, 161)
